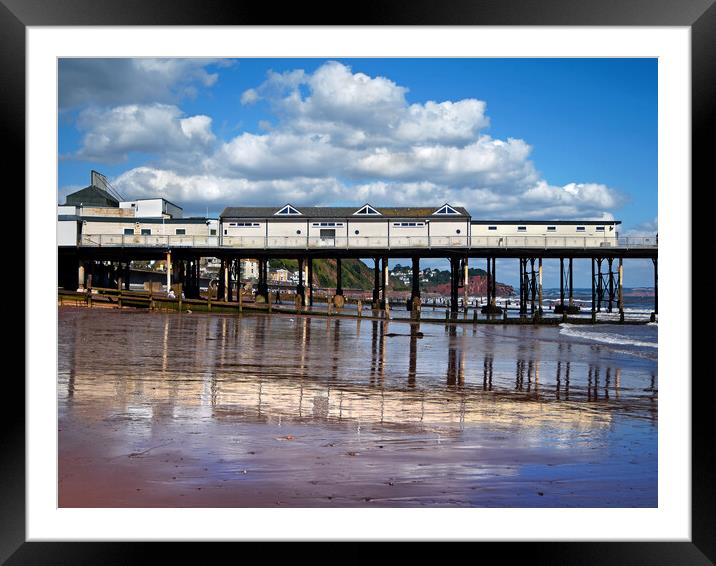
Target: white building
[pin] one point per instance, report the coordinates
(363, 227)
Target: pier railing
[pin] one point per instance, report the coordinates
(366, 242)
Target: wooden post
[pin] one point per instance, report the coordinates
(239, 292)
(360, 308)
(119, 292)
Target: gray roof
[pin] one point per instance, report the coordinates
(137, 219)
(91, 196)
(550, 222)
(309, 212)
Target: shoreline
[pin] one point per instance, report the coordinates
(143, 302)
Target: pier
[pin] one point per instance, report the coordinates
(97, 243)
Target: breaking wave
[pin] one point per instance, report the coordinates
(574, 331)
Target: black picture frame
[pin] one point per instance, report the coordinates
(699, 15)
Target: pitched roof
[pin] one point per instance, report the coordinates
(333, 212)
(91, 196)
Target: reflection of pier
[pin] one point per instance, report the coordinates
(228, 371)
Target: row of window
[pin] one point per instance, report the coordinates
(148, 232)
(408, 224)
(550, 228)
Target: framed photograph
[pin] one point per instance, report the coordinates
(393, 278)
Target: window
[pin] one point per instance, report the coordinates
(212, 232)
(226, 232)
(551, 228)
(446, 209)
(580, 228)
(600, 228)
(522, 228)
(492, 227)
(129, 231)
(181, 232)
(357, 232)
(457, 231)
(146, 232)
(288, 210)
(298, 231)
(365, 210)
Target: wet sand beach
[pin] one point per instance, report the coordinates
(202, 410)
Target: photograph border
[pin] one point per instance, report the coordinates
(699, 15)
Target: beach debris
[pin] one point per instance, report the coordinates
(287, 437)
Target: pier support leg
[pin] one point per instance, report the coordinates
(225, 275)
(488, 286)
(594, 296)
(571, 284)
(265, 280)
(300, 289)
(454, 281)
(127, 273)
(539, 288)
(376, 283)
(81, 277)
(197, 281)
(339, 277)
(621, 289)
(523, 287)
(493, 280)
(656, 289)
(610, 302)
(414, 302)
(310, 281)
(533, 286)
(385, 284)
(465, 284)
(169, 271)
(561, 283)
(600, 284)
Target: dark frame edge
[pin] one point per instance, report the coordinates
(702, 548)
(703, 100)
(12, 435)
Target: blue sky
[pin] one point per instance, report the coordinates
(507, 138)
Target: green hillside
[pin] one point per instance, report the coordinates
(356, 274)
